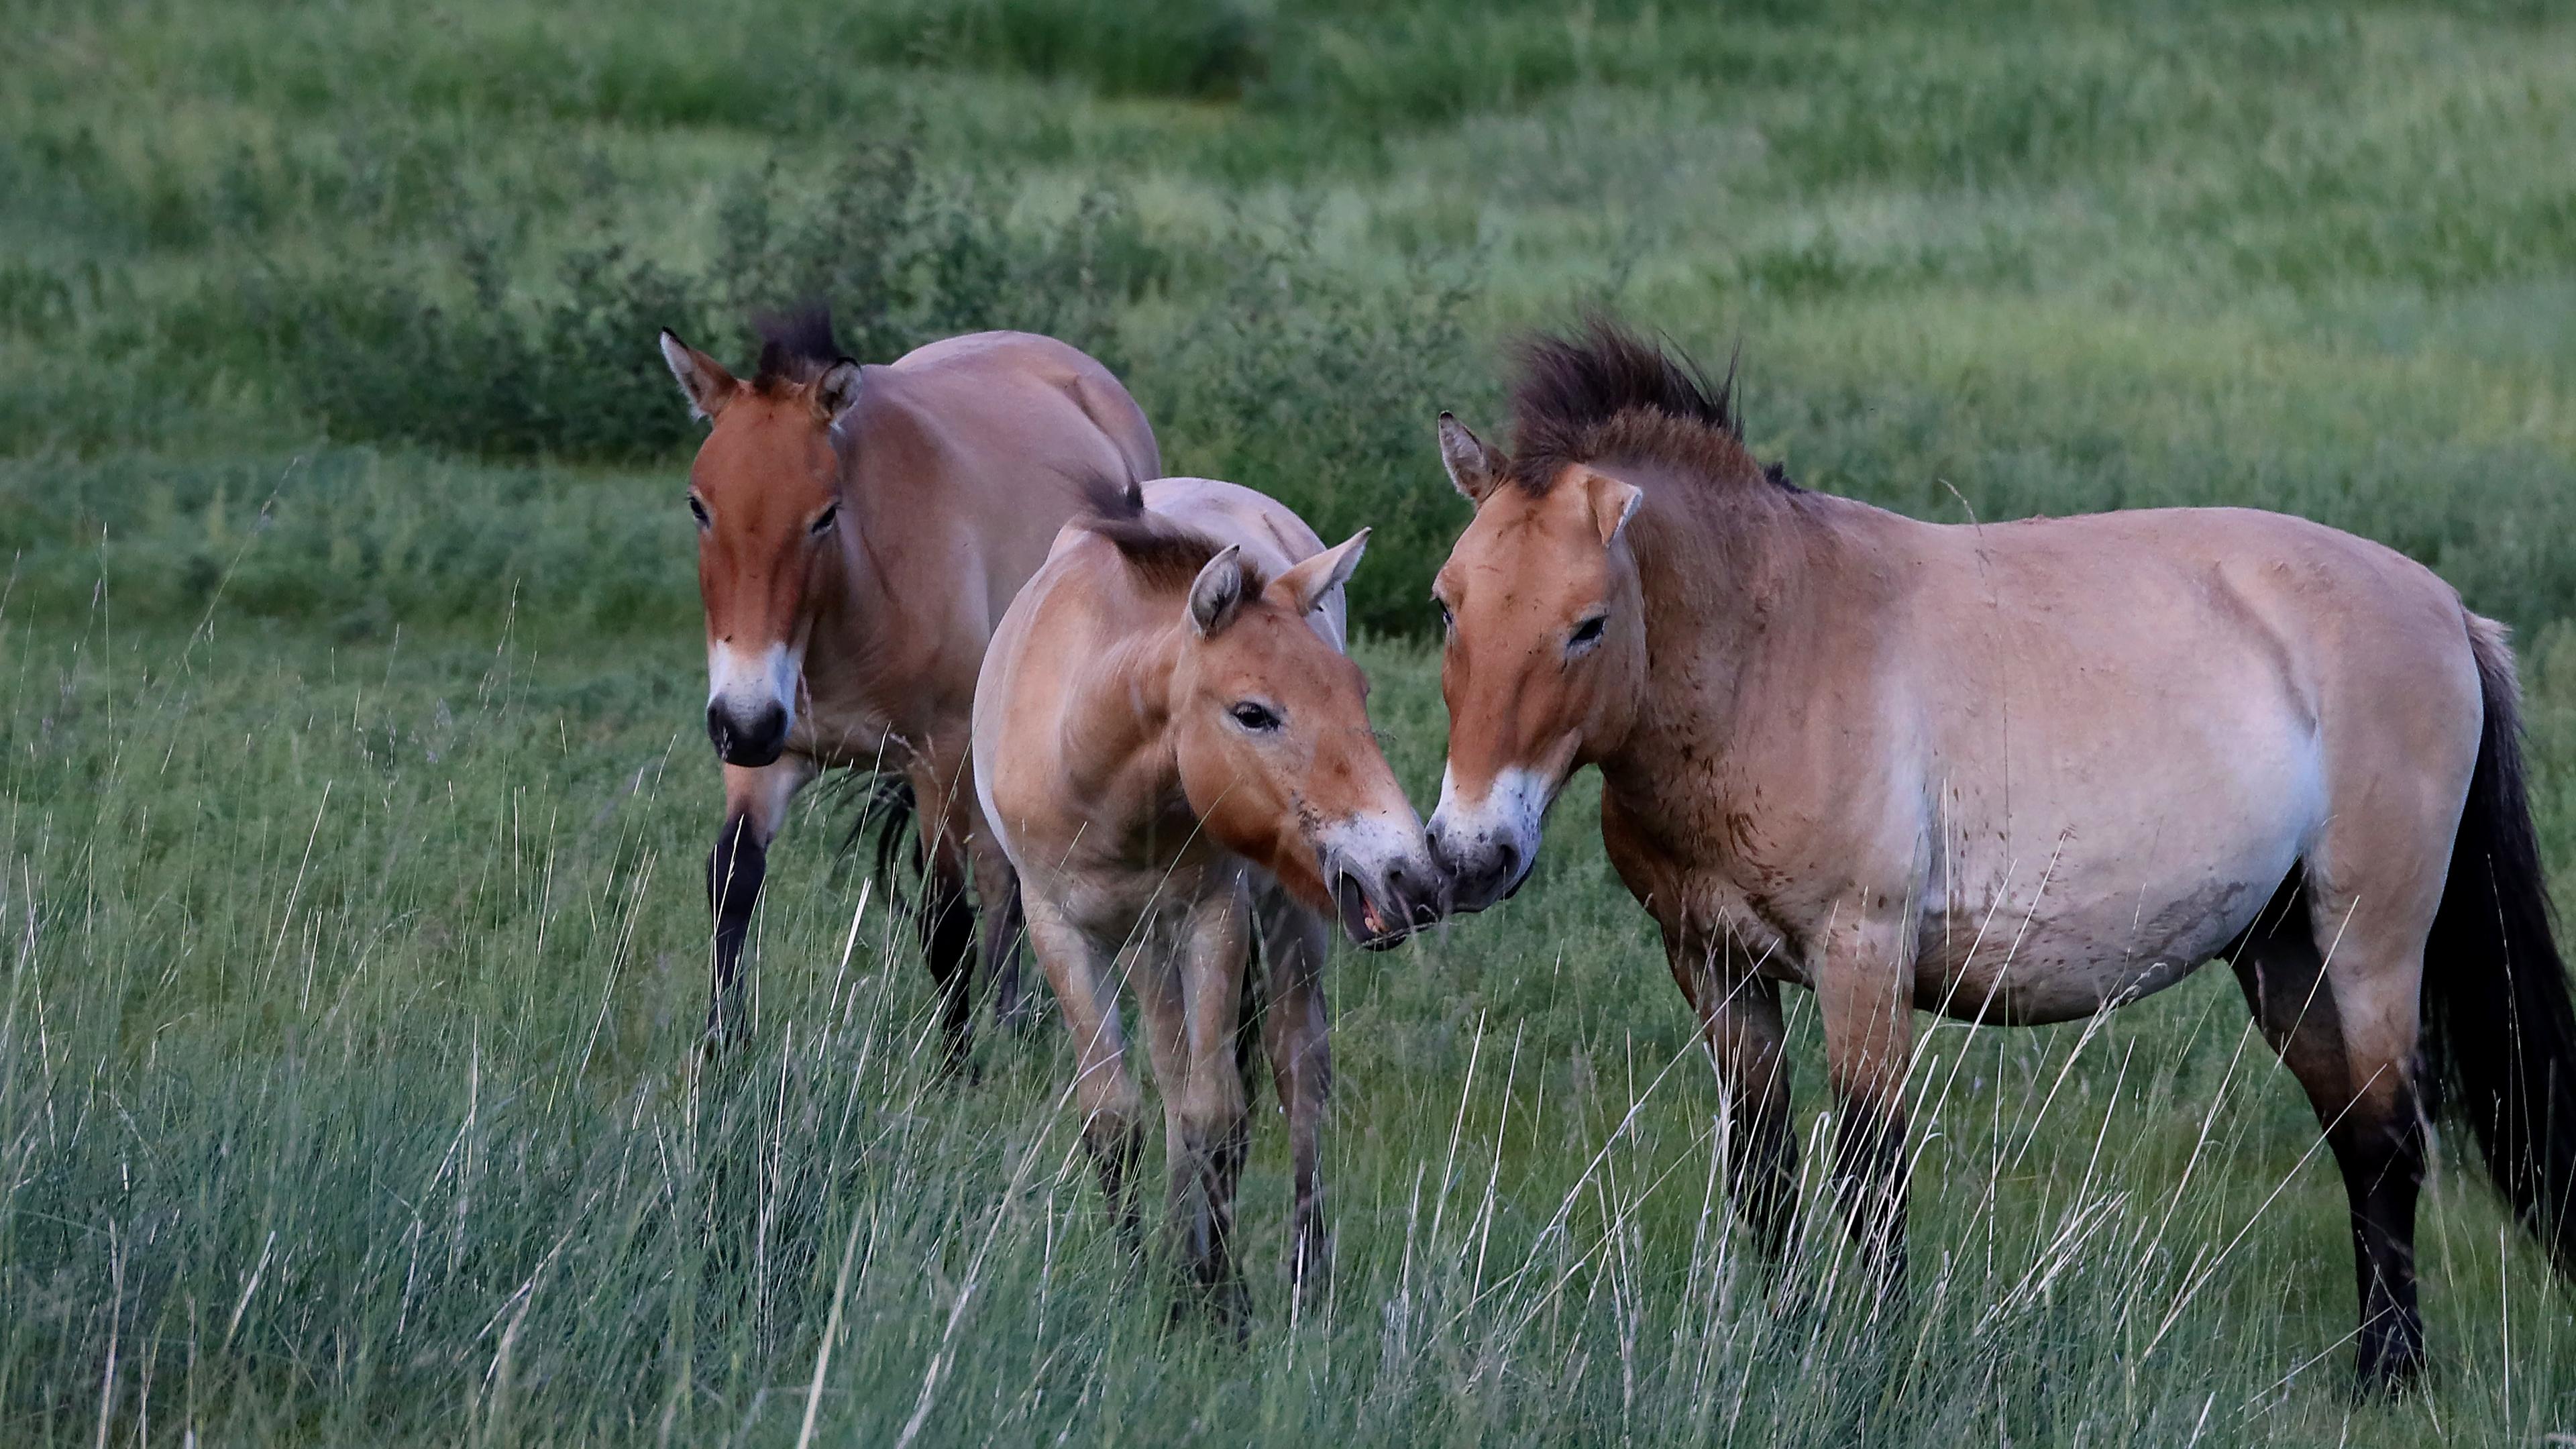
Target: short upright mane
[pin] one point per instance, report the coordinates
(1163, 553)
(796, 348)
(1605, 394)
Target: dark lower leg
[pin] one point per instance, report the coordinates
(2383, 1171)
(734, 874)
(947, 940)
(2377, 1137)
(1301, 1064)
(1745, 1036)
(1206, 1173)
(1870, 1180)
(1116, 1145)
(1762, 1168)
(1000, 950)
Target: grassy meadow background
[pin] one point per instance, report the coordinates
(353, 794)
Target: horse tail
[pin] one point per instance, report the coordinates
(888, 813)
(2499, 1029)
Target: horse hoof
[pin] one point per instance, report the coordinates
(2391, 1379)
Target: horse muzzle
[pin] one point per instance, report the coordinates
(1380, 906)
(1487, 846)
(750, 737)
(1485, 867)
(751, 705)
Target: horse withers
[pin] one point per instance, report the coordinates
(860, 531)
(2017, 773)
(1176, 754)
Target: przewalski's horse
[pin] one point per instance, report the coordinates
(2018, 773)
(860, 531)
(1177, 756)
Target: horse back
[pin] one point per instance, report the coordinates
(970, 453)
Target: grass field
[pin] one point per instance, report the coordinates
(355, 795)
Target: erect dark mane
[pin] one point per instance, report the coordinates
(1605, 394)
(795, 348)
(1163, 553)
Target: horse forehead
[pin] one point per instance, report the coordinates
(1523, 555)
(763, 444)
(1281, 651)
(1516, 521)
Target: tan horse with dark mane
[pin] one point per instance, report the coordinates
(860, 531)
(1177, 756)
(2017, 773)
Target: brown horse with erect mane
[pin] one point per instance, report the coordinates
(1177, 755)
(2014, 773)
(860, 531)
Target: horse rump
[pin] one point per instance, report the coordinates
(2499, 1030)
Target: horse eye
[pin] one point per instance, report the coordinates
(1257, 718)
(698, 511)
(1588, 632)
(823, 523)
(1446, 621)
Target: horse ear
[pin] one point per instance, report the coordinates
(1304, 587)
(1613, 504)
(1217, 593)
(1472, 466)
(836, 389)
(703, 380)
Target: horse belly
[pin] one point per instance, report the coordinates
(2047, 960)
(2131, 895)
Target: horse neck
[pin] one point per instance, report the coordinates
(1119, 730)
(866, 623)
(1727, 579)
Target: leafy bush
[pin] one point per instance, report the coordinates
(1322, 393)
(1199, 49)
(475, 366)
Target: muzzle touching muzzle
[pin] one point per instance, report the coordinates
(1486, 847)
(1384, 882)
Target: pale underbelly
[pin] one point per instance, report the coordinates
(2058, 962)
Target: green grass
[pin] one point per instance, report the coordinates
(354, 802)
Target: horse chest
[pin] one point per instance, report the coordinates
(1116, 898)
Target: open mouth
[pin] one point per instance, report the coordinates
(1369, 925)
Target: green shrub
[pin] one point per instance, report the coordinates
(1198, 49)
(470, 364)
(1322, 394)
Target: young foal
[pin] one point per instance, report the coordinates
(860, 531)
(1177, 756)
(2019, 773)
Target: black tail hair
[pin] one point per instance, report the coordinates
(2498, 1027)
(888, 812)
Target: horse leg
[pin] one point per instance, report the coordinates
(999, 929)
(2345, 1027)
(1293, 1030)
(947, 921)
(1084, 975)
(1739, 1016)
(756, 803)
(1193, 1007)
(1864, 993)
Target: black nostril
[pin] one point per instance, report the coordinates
(1507, 860)
(754, 742)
